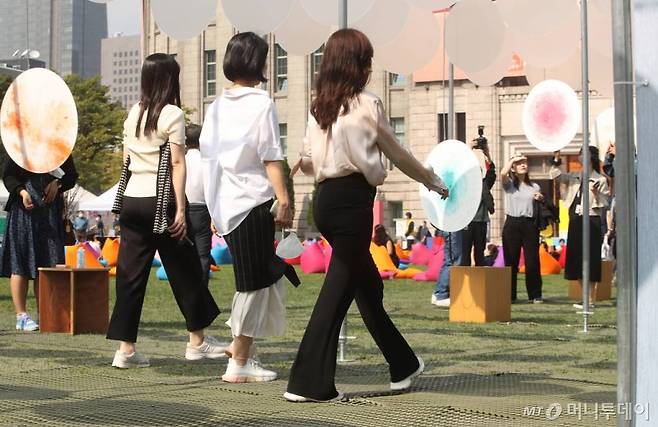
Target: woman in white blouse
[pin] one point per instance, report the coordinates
(242, 167)
(151, 201)
(348, 134)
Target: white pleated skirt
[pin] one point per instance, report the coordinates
(259, 314)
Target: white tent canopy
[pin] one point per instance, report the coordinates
(102, 203)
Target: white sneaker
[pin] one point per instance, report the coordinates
(210, 348)
(580, 306)
(127, 361)
(251, 372)
(443, 303)
(290, 397)
(406, 383)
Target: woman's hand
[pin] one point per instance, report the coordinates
(437, 184)
(284, 215)
(538, 196)
(178, 229)
(27, 200)
(50, 192)
(296, 168)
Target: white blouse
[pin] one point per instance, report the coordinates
(350, 144)
(240, 132)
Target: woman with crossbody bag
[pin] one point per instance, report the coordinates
(152, 207)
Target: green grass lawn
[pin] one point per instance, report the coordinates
(544, 341)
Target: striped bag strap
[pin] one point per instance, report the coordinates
(165, 193)
(123, 183)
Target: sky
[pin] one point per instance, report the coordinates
(123, 16)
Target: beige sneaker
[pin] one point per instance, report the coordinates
(251, 372)
(210, 348)
(128, 361)
(406, 383)
(290, 397)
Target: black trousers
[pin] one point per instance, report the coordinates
(181, 261)
(521, 232)
(199, 227)
(343, 214)
(475, 235)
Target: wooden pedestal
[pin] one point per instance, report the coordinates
(603, 291)
(73, 300)
(480, 294)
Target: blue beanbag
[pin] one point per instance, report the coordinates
(161, 274)
(221, 255)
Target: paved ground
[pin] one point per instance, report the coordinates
(477, 375)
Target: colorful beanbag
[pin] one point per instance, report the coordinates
(401, 253)
(221, 255)
(110, 252)
(500, 258)
(563, 257)
(434, 267)
(420, 254)
(548, 264)
(386, 275)
(312, 259)
(385, 264)
(91, 260)
(161, 274)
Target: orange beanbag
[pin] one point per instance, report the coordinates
(385, 264)
(548, 264)
(113, 271)
(401, 253)
(110, 252)
(72, 256)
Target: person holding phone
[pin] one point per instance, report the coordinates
(348, 134)
(242, 159)
(153, 208)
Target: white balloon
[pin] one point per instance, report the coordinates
(474, 33)
(604, 130)
(183, 20)
(568, 72)
(460, 170)
(259, 16)
(551, 115)
(326, 11)
(536, 17)
(300, 34)
(549, 50)
(432, 5)
(384, 21)
(496, 71)
(405, 54)
(601, 75)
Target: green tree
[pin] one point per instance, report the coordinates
(97, 152)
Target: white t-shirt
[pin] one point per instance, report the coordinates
(194, 177)
(240, 132)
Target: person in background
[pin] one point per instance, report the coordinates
(153, 214)
(424, 233)
(554, 252)
(474, 237)
(381, 238)
(80, 227)
(243, 171)
(34, 236)
(520, 230)
(116, 226)
(200, 224)
(490, 254)
(410, 233)
(598, 199)
(562, 244)
(452, 253)
(99, 227)
(347, 133)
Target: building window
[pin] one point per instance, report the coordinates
(283, 138)
(210, 73)
(281, 69)
(397, 79)
(316, 60)
(460, 127)
(397, 124)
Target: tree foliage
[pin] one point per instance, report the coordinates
(98, 150)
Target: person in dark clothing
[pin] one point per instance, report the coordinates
(34, 236)
(474, 237)
(381, 238)
(410, 233)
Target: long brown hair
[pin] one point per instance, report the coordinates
(344, 72)
(160, 87)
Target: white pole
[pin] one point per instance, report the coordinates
(586, 165)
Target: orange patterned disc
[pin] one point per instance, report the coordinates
(38, 121)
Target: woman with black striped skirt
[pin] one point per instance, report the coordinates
(241, 157)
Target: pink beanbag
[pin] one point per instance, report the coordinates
(434, 267)
(312, 259)
(386, 275)
(326, 253)
(216, 240)
(500, 258)
(420, 254)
